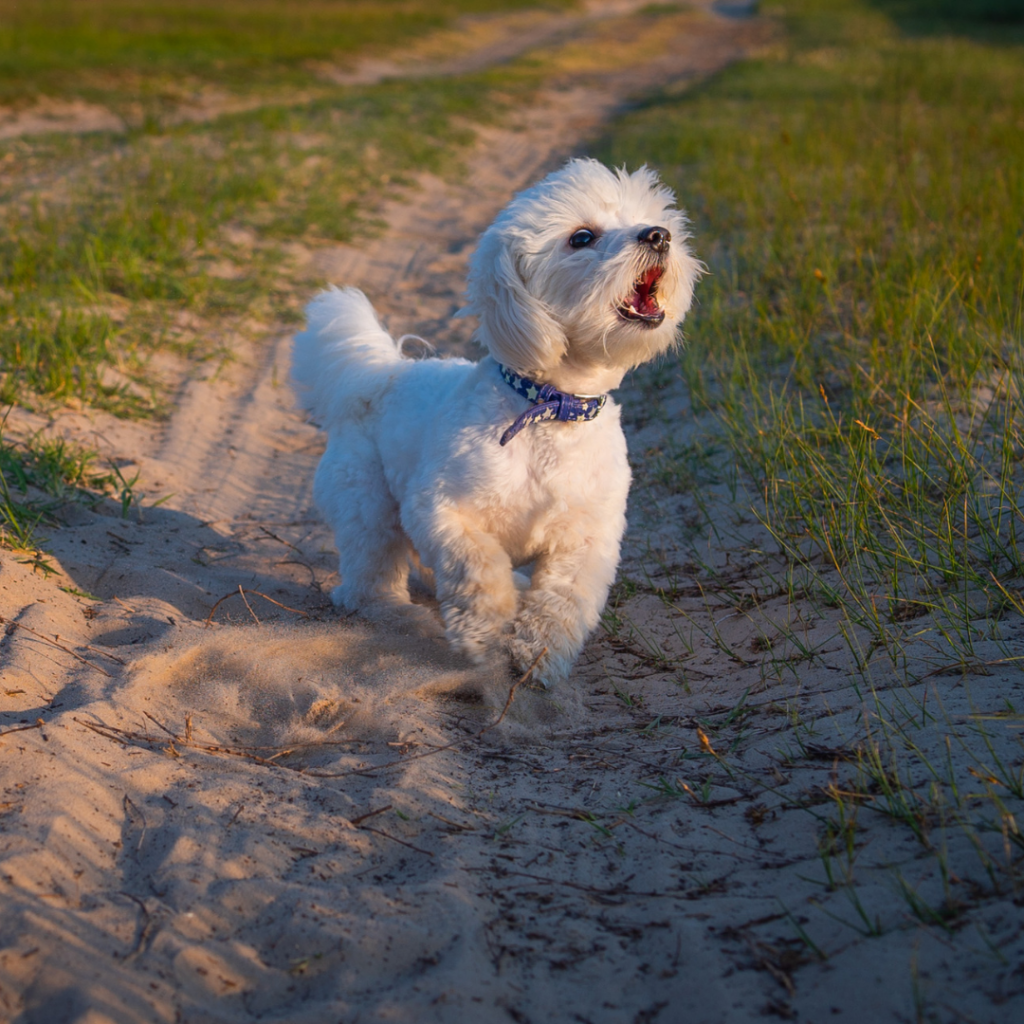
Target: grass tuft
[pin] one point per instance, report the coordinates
(42, 473)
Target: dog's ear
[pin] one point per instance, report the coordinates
(517, 328)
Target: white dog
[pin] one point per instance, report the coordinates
(474, 470)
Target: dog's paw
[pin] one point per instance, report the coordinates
(548, 668)
(546, 634)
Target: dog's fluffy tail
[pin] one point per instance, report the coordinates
(344, 358)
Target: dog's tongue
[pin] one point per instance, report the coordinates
(641, 299)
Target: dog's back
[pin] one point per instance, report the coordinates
(344, 359)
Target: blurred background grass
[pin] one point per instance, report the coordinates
(94, 48)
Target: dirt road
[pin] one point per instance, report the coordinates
(285, 816)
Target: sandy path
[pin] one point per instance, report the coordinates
(524, 873)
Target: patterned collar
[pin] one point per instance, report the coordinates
(549, 403)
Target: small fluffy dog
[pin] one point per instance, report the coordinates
(517, 462)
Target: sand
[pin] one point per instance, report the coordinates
(220, 801)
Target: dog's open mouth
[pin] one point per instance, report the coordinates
(642, 304)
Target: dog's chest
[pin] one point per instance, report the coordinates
(558, 477)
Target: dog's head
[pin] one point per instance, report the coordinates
(583, 276)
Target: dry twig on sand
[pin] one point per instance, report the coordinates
(38, 724)
(12, 626)
(395, 839)
(241, 592)
(112, 732)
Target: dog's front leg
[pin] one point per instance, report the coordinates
(562, 606)
(474, 583)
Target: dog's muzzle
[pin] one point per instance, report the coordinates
(641, 306)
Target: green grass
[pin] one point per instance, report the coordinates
(41, 473)
(18, 520)
(857, 348)
(942, 15)
(135, 237)
(859, 200)
(53, 465)
(108, 240)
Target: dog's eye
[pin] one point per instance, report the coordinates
(582, 238)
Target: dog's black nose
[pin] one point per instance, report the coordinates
(656, 238)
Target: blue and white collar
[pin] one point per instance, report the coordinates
(549, 403)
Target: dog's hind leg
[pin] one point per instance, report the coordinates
(373, 550)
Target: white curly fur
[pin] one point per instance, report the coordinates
(413, 470)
